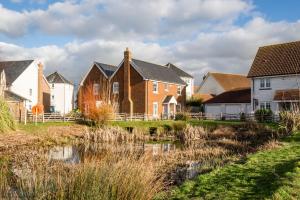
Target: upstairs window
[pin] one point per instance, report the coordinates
(155, 87)
(96, 88)
(116, 88)
(265, 83)
(166, 87)
(30, 92)
(179, 90)
(52, 85)
(52, 97)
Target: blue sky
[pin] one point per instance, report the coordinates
(197, 35)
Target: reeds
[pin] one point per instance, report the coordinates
(6, 120)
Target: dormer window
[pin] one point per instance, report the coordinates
(155, 87)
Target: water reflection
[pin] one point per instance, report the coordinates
(67, 154)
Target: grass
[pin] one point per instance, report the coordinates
(270, 174)
(36, 128)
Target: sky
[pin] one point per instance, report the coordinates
(199, 36)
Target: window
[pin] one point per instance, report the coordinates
(96, 88)
(52, 97)
(30, 92)
(178, 108)
(265, 105)
(116, 87)
(155, 109)
(265, 83)
(268, 83)
(179, 90)
(155, 87)
(52, 85)
(166, 87)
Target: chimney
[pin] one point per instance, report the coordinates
(127, 103)
(40, 84)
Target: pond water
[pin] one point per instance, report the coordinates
(75, 154)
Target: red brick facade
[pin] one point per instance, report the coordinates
(135, 94)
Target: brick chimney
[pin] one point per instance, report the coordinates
(40, 84)
(127, 103)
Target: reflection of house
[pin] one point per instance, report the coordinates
(68, 154)
(138, 87)
(61, 93)
(25, 84)
(230, 102)
(275, 77)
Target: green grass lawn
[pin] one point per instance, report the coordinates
(32, 127)
(272, 174)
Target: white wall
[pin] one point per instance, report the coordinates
(26, 81)
(277, 83)
(210, 86)
(227, 108)
(63, 97)
(189, 87)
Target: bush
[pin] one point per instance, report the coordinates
(100, 115)
(263, 115)
(243, 117)
(181, 116)
(179, 126)
(7, 121)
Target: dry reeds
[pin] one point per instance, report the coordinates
(6, 120)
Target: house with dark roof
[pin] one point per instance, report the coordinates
(137, 87)
(275, 77)
(234, 101)
(23, 81)
(62, 93)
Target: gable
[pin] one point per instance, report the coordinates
(210, 86)
(94, 74)
(13, 69)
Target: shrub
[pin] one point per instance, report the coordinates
(7, 121)
(290, 120)
(263, 115)
(181, 116)
(179, 126)
(243, 117)
(100, 115)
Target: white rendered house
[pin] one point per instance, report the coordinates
(275, 77)
(61, 94)
(22, 79)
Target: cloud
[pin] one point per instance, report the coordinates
(112, 19)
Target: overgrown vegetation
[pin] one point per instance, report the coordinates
(290, 120)
(263, 115)
(270, 174)
(7, 121)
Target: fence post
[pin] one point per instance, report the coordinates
(25, 117)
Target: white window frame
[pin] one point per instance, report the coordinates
(96, 88)
(265, 83)
(166, 87)
(155, 109)
(155, 87)
(179, 90)
(115, 87)
(264, 105)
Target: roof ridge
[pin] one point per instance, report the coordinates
(227, 73)
(280, 44)
(150, 63)
(16, 60)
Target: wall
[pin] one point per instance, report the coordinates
(189, 87)
(161, 95)
(277, 83)
(210, 86)
(236, 108)
(63, 97)
(27, 80)
(46, 95)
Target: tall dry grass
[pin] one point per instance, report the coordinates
(290, 120)
(114, 177)
(7, 121)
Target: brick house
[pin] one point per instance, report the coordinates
(137, 87)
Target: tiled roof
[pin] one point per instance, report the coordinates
(203, 97)
(107, 69)
(57, 78)
(279, 59)
(13, 69)
(231, 81)
(156, 72)
(287, 95)
(179, 71)
(242, 95)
